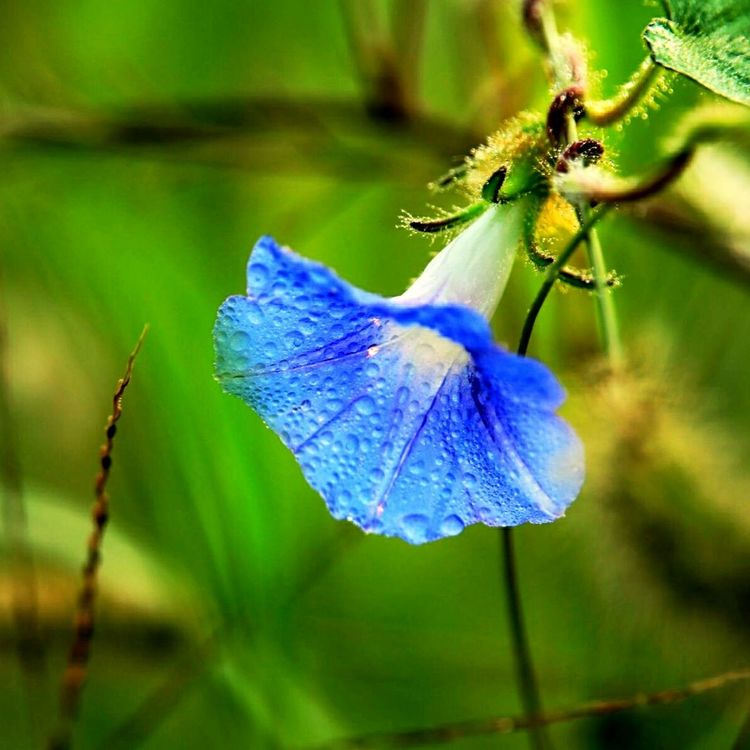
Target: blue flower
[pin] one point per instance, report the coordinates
(403, 413)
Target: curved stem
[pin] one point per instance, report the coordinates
(525, 674)
(445, 222)
(609, 111)
(552, 274)
(630, 190)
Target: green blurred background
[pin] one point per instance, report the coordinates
(145, 146)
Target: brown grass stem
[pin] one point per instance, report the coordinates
(74, 675)
(509, 724)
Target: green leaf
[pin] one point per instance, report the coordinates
(708, 41)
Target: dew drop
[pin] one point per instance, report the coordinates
(451, 526)
(484, 514)
(302, 302)
(365, 405)
(414, 527)
(257, 276)
(416, 468)
(240, 341)
(351, 443)
(334, 405)
(295, 338)
(306, 326)
(254, 314)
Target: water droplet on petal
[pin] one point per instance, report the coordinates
(351, 443)
(451, 526)
(257, 276)
(306, 326)
(414, 527)
(240, 341)
(295, 338)
(416, 468)
(365, 405)
(254, 314)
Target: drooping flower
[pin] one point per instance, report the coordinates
(402, 412)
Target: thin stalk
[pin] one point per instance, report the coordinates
(552, 274)
(75, 672)
(609, 111)
(525, 674)
(629, 190)
(448, 733)
(609, 331)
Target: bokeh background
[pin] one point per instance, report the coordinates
(145, 146)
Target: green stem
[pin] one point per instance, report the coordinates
(605, 307)
(606, 314)
(525, 674)
(552, 274)
(609, 111)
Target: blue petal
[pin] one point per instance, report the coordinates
(407, 419)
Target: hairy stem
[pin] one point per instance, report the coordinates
(609, 111)
(630, 190)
